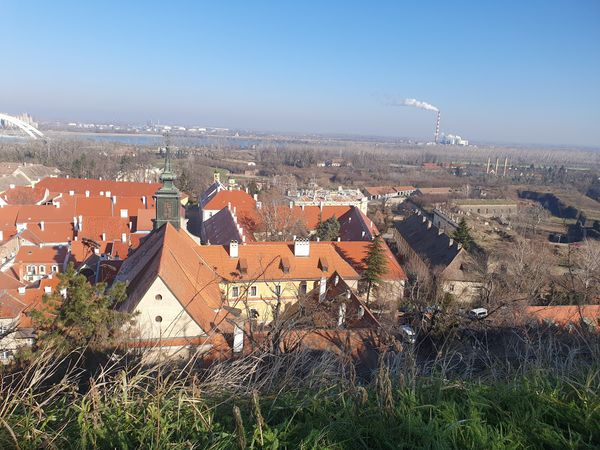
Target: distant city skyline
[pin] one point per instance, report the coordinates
(520, 72)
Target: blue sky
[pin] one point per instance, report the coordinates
(505, 71)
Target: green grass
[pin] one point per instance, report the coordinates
(130, 412)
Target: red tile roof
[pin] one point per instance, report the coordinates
(172, 256)
(145, 219)
(264, 260)
(25, 195)
(46, 213)
(112, 227)
(50, 255)
(53, 233)
(96, 187)
(564, 315)
(355, 252)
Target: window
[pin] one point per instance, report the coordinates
(42, 270)
(55, 268)
(303, 287)
(4, 355)
(278, 290)
(253, 291)
(235, 291)
(158, 297)
(3, 329)
(451, 288)
(158, 319)
(31, 270)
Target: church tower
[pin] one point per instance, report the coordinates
(166, 199)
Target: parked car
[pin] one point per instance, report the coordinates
(408, 334)
(478, 313)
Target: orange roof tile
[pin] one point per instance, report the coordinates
(264, 261)
(145, 219)
(25, 195)
(564, 315)
(50, 255)
(112, 227)
(8, 216)
(355, 252)
(240, 199)
(93, 206)
(172, 256)
(96, 187)
(46, 213)
(58, 232)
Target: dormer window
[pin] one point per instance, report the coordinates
(285, 265)
(42, 270)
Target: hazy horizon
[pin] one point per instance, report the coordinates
(510, 72)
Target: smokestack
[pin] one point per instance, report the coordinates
(437, 127)
(497, 159)
(487, 171)
(505, 165)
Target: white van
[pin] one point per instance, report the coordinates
(478, 313)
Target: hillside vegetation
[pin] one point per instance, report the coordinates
(546, 398)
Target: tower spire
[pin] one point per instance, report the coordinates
(168, 208)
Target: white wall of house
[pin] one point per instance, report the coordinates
(175, 322)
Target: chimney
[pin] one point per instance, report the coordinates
(322, 289)
(145, 201)
(114, 199)
(255, 197)
(71, 193)
(124, 214)
(321, 206)
(1, 235)
(342, 315)
(301, 247)
(21, 290)
(57, 204)
(361, 312)
(107, 193)
(450, 242)
(428, 224)
(458, 245)
(80, 223)
(42, 225)
(123, 237)
(233, 249)
(424, 219)
(349, 219)
(87, 193)
(104, 236)
(291, 205)
(302, 207)
(362, 234)
(47, 290)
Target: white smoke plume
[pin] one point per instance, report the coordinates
(412, 102)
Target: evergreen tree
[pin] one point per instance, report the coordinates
(463, 234)
(79, 314)
(328, 230)
(376, 263)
